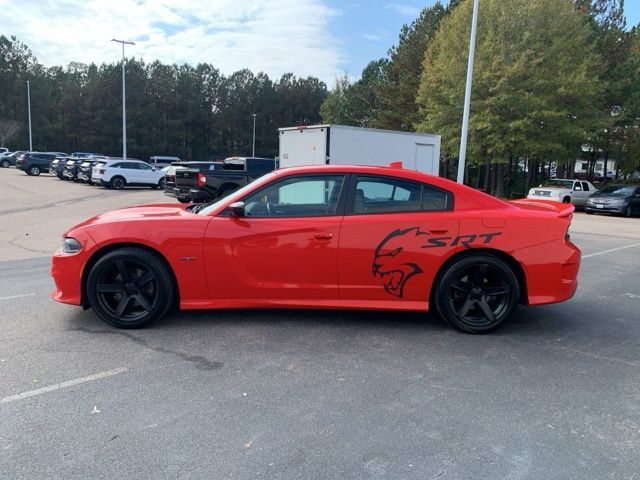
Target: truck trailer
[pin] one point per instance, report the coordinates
(340, 145)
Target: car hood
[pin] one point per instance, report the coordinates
(137, 213)
(609, 196)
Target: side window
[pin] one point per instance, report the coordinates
(585, 186)
(311, 196)
(115, 165)
(386, 195)
(577, 187)
(144, 166)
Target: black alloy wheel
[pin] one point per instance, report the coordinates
(130, 287)
(34, 170)
(477, 293)
(117, 183)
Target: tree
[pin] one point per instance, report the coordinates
(536, 83)
(8, 130)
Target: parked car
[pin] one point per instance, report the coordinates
(220, 179)
(162, 161)
(176, 169)
(118, 173)
(57, 166)
(620, 199)
(71, 167)
(3, 150)
(35, 163)
(9, 159)
(85, 169)
(564, 190)
(327, 236)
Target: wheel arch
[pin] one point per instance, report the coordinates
(513, 264)
(95, 256)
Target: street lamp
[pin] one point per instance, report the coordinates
(124, 104)
(467, 95)
(253, 150)
(29, 112)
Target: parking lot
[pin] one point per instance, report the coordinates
(311, 394)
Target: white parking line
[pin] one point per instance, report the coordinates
(611, 250)
(18, 296)
(59, 386)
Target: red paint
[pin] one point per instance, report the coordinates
(340, 261)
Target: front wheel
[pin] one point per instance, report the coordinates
(34, 170)
(477, 294)
(4, 164)
(130, 288)
(117, 183)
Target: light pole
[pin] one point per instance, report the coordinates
(124, 103)
(29, 113)
(467, 94)
(253, 150)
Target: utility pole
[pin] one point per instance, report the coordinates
(124, 102)
(467, 95)
(253, 150)
(29, 112)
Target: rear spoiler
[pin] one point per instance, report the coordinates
(563, 210)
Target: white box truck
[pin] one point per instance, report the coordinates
(339, 145)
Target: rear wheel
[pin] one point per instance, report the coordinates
(34, 170)
(130, 288)
(4, 164)
(160, 184)
(477, 294)
(117, 183)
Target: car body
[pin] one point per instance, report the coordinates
(619, 199)
(9, 159)
(563, 190)
(117, 173)
(177, 168)
(35, 163)
(349, 237)
(219, 179)
(57, 165)
(85, 169)
(71, 168)
(4, 150)
(162, 161)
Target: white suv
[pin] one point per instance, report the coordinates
(118, 173)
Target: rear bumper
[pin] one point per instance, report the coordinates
(179, 193)
(200, 196)
(551, 271)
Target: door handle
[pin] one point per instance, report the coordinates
(323, 235)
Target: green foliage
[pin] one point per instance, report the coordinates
(536, 85)
(192, 112)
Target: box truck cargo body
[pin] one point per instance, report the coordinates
(340, 145)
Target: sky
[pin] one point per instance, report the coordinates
(322, 38)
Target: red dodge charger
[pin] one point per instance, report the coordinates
(342, 237)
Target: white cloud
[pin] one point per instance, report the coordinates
(371, 36)
(274, 36)
(407, 10)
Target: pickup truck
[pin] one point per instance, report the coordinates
(218, 179)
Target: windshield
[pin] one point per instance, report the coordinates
(559, 183)
(624, 190)
(210, 207)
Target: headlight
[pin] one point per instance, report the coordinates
(71, 245)
(590, 200)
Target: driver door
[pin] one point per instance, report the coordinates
(286, 245)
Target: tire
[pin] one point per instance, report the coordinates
(184, 200)
(34, 170)
(90, 182)
(588, 212)
(117, 183)
(628, 212)
(130, 288)
(4, 164)
(462, 298)
(566, 200)
(160, 185)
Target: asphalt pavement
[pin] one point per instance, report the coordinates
(309, 394)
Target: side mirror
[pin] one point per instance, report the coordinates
(237, 209)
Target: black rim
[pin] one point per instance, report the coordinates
(480, 295)
(117, 183)
(127, 290)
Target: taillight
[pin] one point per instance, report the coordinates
(101, 171)
(202, 179)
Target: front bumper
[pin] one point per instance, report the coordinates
(600, 208)
(66, 270)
